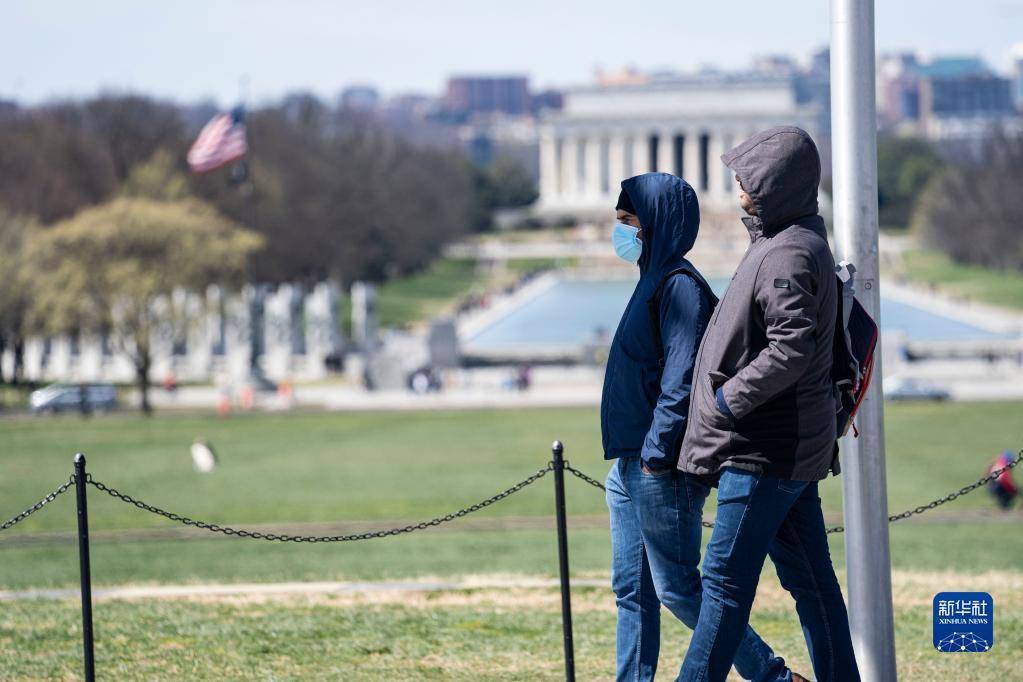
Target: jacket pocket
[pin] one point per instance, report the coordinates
(712, 414)
(717, 379)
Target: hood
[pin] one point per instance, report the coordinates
(670, 216)
(780, 169)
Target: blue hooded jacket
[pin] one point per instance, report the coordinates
(643, 407)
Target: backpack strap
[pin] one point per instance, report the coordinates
(654, 305)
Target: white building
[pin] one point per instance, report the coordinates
(676, 124)
(297, 330)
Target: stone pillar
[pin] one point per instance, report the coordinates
(691, 161)
(216, 322)
(364, 315)
(666, 152)
(323, 328)
(296, 320)
(606, 181)
(277, 321)
(241, 325)
(255, 299)
(616, 161)
(717, 186)
(639, 153)
(591, 175)
(550, 181)
(569, 173)
(628, 156)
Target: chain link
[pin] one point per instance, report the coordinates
(257, 535)
(39, 505)
(578, 474)
(891, 519)
(959, 493)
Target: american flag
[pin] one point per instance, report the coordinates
(220, 142)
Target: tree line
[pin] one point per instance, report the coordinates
(100, 221)
(967, 209)
(959, 204)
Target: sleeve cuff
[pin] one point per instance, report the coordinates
(719, 398)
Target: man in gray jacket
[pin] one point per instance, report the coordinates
(762, 414)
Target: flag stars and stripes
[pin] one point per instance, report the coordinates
(220, 142)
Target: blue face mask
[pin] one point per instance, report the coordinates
(626, 242)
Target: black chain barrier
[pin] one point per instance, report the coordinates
(947, 498)
(540, 473)
(257, 535)
(891, 519)
(38, 505)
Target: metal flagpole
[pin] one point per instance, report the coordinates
(241, 175)
(854, 172)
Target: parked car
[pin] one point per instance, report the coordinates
(908, 388)
(56, 398)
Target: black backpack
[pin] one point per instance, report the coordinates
(654, 305)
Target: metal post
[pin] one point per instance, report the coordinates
(566, 596)
(865, 498)
(83, 560)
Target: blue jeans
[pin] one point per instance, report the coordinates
(655, 538)
(759, 516)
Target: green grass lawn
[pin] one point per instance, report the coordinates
(334, 468)
(988, 285)
(469, 635)
(420, 296)
(426, 294)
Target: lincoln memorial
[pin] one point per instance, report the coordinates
(676, 124)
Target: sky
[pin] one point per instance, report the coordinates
(190, 50)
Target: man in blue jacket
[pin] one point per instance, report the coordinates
(655, 508)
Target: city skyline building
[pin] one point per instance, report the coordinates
(679, 124)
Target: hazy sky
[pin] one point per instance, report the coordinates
(192, 49)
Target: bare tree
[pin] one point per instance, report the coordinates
(969, 211)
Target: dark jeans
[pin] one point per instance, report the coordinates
(759, 516)
(655, 539)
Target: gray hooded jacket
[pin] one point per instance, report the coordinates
(768, 347)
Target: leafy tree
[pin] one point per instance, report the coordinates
(504, 183)
(511, 184)
(159, 178)
(115, 268)
(968, 211)
(904, 166)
